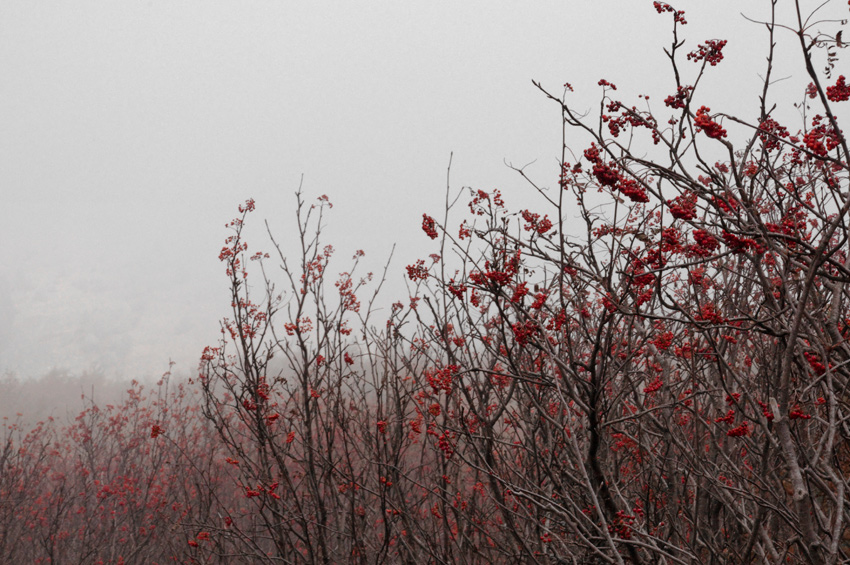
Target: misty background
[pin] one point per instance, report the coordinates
(131, 131)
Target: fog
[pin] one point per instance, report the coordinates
(59, 395)
(130, 132)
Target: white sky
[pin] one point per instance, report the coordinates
(131, 130)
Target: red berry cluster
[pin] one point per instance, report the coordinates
(709, 313)
(770, 132)
(678, 100)
(607, 175)
(704, 123)
(711, 51)
(456, 290)
(428, 226)
(684, 206)
(840, 92)
(765, 410)
(812, 90)
(622, 525)
(729, 418)
(740, 431)
(631, 189)
(535, 223)
(520, 292)
(740, 244)
(417, 271)
(654, 386)
(663, 341)
(821, 139)
(630, 117)
(706, 243)
(524, 332)
(678, 15)
(441, 379)
(797, 414)
(815, 363)
(476, 205)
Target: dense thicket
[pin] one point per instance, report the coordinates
(666, 383)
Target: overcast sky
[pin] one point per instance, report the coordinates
(131, 130)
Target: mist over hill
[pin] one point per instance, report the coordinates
(61, 394)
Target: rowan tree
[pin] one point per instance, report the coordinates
(651, 366)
